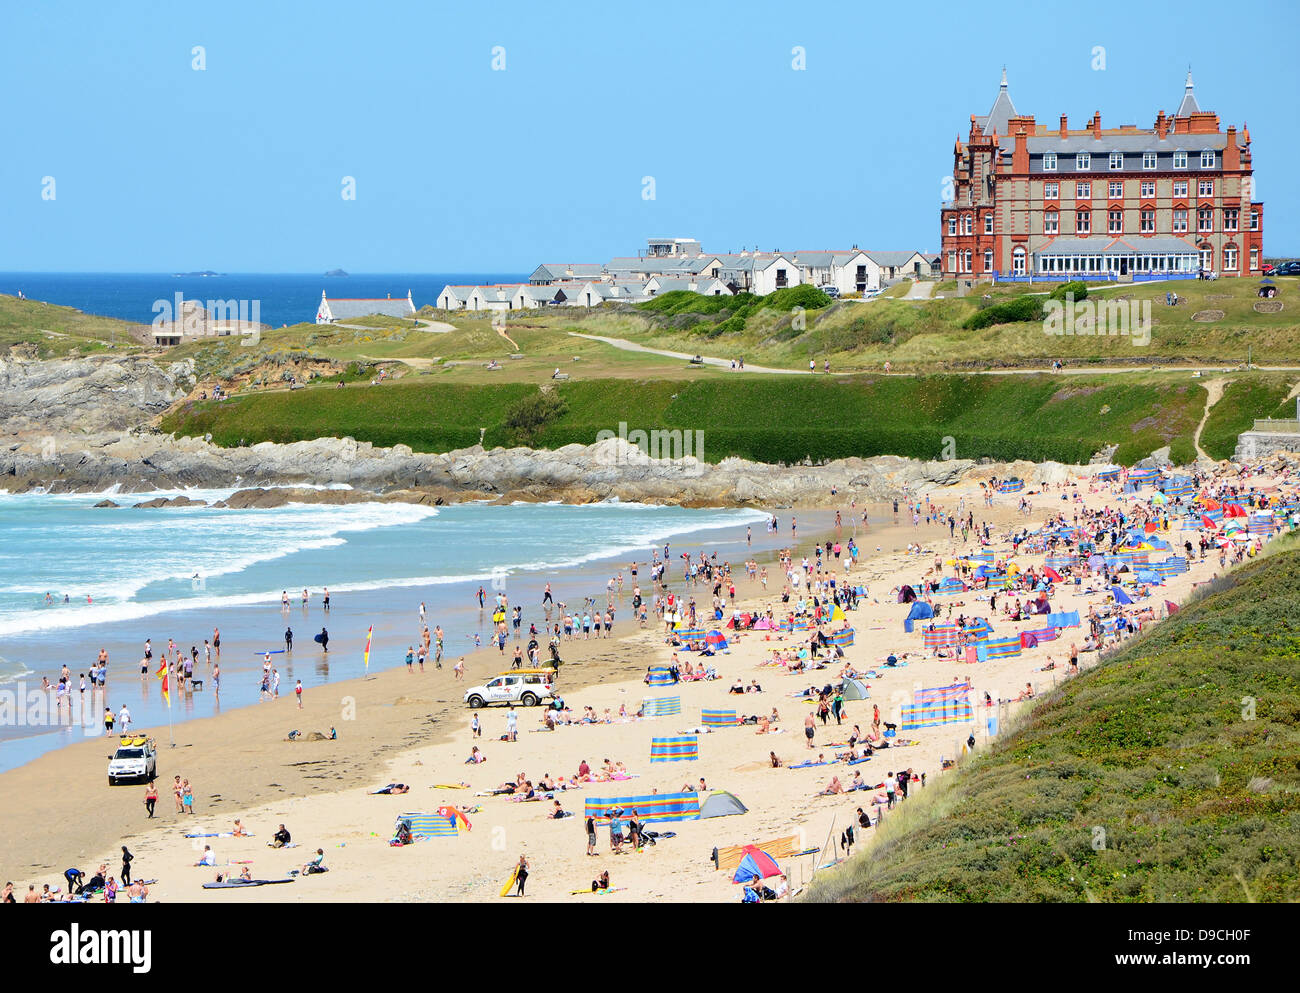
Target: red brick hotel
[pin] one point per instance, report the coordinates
(1032, 202)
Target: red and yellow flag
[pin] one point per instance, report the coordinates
(162, 674)
(368, 634)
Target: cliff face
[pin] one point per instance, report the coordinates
(85, 396)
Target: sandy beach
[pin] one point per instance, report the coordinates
(414, 729)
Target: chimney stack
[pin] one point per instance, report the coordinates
(1065, 126)
(1096, 124)
(1162, 125)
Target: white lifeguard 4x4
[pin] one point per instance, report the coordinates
(525, 688)
(136, 758)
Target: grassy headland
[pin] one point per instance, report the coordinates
(1169, 773)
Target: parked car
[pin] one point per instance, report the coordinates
(831, 291)
(1267, 269)
(525, 688)
(136, 758)
(1288, 269)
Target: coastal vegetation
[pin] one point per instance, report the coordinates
(1168, 773)
(760, 417)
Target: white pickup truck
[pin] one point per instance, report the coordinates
(525, 688)
(136, 758)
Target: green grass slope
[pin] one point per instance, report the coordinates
(1170, 773)
(765, 418)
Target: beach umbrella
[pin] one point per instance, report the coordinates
(716, 639)
(755, 865)
(1206, 522)
(1234, 510)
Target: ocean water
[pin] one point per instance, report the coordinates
(283, 298)
(115, 577)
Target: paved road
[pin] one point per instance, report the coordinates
(632, 346)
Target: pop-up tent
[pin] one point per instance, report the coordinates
(722, 804)
(921, 611)
(856, 689)
(756, 865)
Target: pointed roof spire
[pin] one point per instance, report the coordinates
(1003, 109)
(1189, 105)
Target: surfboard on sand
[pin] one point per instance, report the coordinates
(510, 883)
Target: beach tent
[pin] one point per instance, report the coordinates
(662, 706)
(718, 718)
(855, 689)
(756, 865)
(837, 613)
(659, 676)
(1120, 596)
(921, 611)
(906, 594)
(722, 804)
(716, 640)
(650, 808)
(683, 748)
(1149, 576)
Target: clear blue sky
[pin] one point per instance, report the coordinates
(238, 168)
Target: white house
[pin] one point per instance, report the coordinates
(497, 296)
(851, 271)
(901, 265)
(342, 309)
(454, 297)
(708, 286)
(758, 273)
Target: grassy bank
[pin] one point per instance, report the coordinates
(765, 418)
(47, 330)
(1170, 773)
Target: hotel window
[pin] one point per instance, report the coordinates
(1230, 259)
(1254, 220)
(1082, 161)
(1049, 162)
(1207, 257)
(1180, 187)
(1207, 159)
(1117, 160)
(1116, 191)
(1205, 219)
(1148, 160)
(966, 225)
(988, 223)
(952, 225)
(1205, 188)
(988, 260)
(1148, 222)
(1082, 222)
(1180, 160)
(966, 261)
(1051, 191)
(1180, 221)
(1018, 262)
(1254, 258)
(1083, 191)
(1148, 190)
(1230, 216)
(1115, 222)
(1051, 222)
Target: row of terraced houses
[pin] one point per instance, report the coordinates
(670, 264)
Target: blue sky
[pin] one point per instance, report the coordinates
(239, 167)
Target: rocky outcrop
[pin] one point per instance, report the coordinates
(85, 396)
(271, 475)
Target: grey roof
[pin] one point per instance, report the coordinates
(1101, 246)
(568, 270)
(458, 292)
(893, 259)
(343, 309)
(1137, 141)
(1189, 106)
(1002, 112)
(815, 260)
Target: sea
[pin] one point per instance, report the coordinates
(75, 578)
(282, 298)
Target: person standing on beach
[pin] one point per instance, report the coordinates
(216, 679)
(179, 792)
(216, 642)
(809, 728)
(475, 726)
(288, 640)
(521, 875)
(327, 599)
(150, 797)
(127, 859)
(410, 659)
(324, 640)
(512, 724)
(297, 691)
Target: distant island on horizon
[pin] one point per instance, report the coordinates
(205, 272)
(336, 272)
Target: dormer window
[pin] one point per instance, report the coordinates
(1148, 160)
(1049, 162)
(1180, 160)
(1083, 161)
(1207, 159)
(1117, 160)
